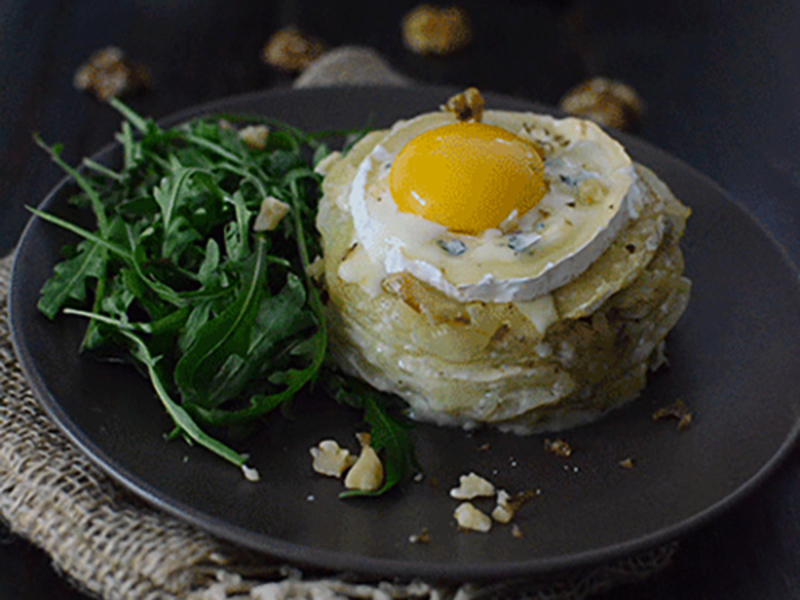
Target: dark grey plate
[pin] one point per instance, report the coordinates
(733, 359)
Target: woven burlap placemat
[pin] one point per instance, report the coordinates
(113, 546)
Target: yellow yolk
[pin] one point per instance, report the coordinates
(468, 177)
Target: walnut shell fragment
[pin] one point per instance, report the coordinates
(605, 101)
(109, 74)
(291, 49)
(436, 30)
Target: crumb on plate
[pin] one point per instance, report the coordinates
(423, 537)
(330, 459)
(472, 486)
(559, 447)
(367, 473)
(504, 511)
(471, 518)
(677, 410)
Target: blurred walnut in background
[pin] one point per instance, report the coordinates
(108, 73)
(292, 50)
(432, 30)
(607, 102)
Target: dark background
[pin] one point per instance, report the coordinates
(721, 80)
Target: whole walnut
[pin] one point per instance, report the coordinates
(436, 30)
(109, 74)
(291, 49)
(605, 101)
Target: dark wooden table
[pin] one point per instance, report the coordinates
(721, 79)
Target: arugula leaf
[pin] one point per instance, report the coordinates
(226, 334)
(272, 335)
(71, 278)
(170, 192)
(84, 182)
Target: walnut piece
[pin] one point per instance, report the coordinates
(470, 518)
(331, 460)
(367, 472)
(558, 447)
(505, 509)
(467, 106)
(423, 537)
(271, 214)
(607, 102)
(472, 486)
(436, 30)
(255, 136)
(109, 74)
(677, 410)
(251, 474)
(292, 50)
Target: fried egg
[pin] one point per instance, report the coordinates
(493, 210)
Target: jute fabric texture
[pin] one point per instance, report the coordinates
(113, 546)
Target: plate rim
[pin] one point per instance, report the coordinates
(304, 555)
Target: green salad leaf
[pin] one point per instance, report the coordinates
(226, 321)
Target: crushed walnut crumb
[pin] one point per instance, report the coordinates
(508, 505)
(436, 30)
(605, 101)
(516, 531)
(291, 49)
(109, 74)
(423, 537)
(367, 472)
(504, 511)
(271, 213)
(471, 518)
(472, 486)
(558, 447)
(330, 459)
(467, 105)
(677, 410)
(626, 463)
(254, 136)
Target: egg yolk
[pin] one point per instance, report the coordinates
(468, 177)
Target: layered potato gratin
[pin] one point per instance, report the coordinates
(500, 267)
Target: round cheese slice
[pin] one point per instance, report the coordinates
(592, 194)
